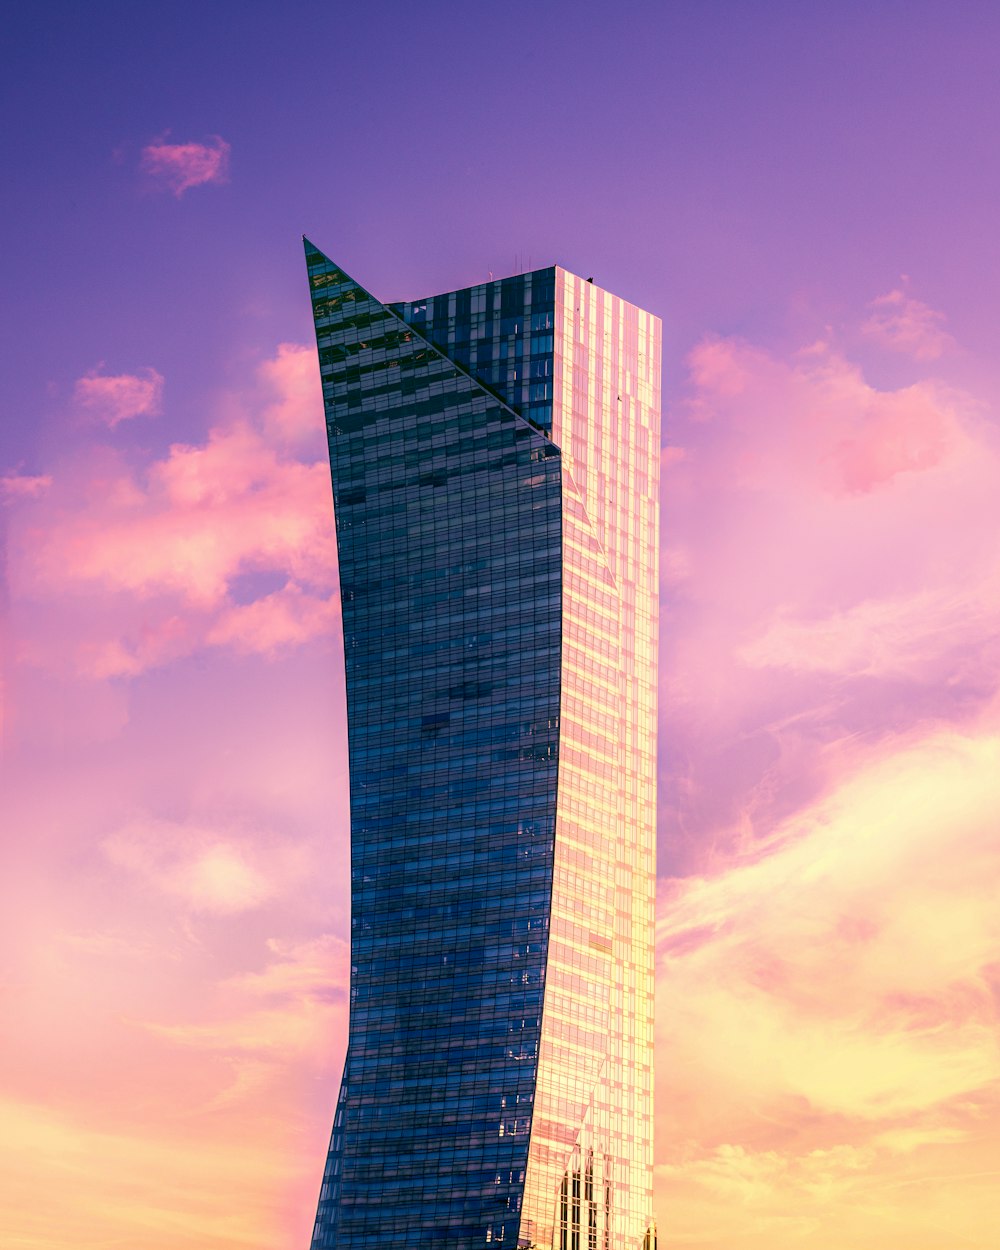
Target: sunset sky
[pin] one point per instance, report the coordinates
(809, 196)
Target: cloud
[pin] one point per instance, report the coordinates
(905, 432)
(828, 582)
(180, 166)
(828, 1005)
(904, 324)
(155, 1186)
(208, 1002)
(293, 1011)
(162, 895)
(288, 617)
(22, 486)
(189, 523)
(318, 968)
(720, 367)
(112, 398)
(842, 431)
(923, 635)
(830, 1198)
(828, 952)
(208, 871)
(293, 377)
(883, 888)
(675, 564)
(225, 543)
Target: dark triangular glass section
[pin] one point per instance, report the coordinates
(503, 388)
(501, 332)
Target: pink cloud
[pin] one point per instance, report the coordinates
(298, 398)
(904, 324)
(180, 166)
(287, 617)
(717, 367)
(287, 1012)
(21, 486)
(911, 635)
(112, 398)
(903, 432)
(828, 950)
(207, 869)
(838, 425)
(675, 564)
(168, 553)
(803, 617)
(168, 606)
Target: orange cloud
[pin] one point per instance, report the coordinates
(181, 166)
(158, 1188)
(829, 1005)
(942, 1193)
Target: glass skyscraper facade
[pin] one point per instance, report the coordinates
(494, 454)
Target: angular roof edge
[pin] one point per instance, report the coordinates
(311, 249)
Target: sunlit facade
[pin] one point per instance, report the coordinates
(494, 454)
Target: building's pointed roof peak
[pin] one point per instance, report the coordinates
(315, 255)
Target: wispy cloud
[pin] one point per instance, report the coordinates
(112, 398)
(904, 324)
(103, 1174)
(206, 869)
(828, 973)
(287, 617)
(829, 577)
(24, 486)
(290, 1011)
(831, 1005)
(923, 635)
(181, 166)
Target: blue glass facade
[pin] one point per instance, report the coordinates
(483, 641)
(501, 332)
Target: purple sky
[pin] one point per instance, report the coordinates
(808, 196)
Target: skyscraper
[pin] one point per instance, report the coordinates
(494, 454)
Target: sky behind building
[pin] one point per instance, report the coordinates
(808, 200)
